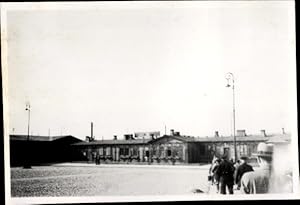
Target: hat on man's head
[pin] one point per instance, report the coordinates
(224, 156)
(244, 157)
(264, 150)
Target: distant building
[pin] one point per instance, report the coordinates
(175, 148)
(245, 144)
(42, 149)
(114, 150)
(140, 147)
(147, 135)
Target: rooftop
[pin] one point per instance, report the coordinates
(108, 142)
(37, 137)
(242, 138)
(269, 138)
(272, 138)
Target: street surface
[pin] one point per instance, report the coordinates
(72, 179)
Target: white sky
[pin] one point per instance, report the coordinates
(139, 67)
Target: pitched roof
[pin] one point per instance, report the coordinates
(37, 138)
(278, 139)
(180, 138)
(241, 139)
(261, 138)
(256, 138)
(114, 142)
(229, 139)
(213, 139)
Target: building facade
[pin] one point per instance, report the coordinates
(174, 148)
(126, 150)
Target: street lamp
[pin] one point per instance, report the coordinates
(230, 83)
(27, 165)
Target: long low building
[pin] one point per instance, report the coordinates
(37, 150)
(137, 148)
(175, 148)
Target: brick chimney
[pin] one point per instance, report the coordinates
(216, 133)
(263, 133)
(241, 133)
(87, 139)
(115, 137)
(128, 136)
(172, 132)
(283, 131)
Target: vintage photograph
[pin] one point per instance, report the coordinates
(149, 101)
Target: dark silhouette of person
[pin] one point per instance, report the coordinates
(98, 158)
(216, 178)
(241, 170)
(225, 172)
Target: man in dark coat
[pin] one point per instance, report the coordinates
(243, 168)
(225, 172)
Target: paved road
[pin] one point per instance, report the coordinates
(104, 180)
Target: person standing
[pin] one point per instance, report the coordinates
(241, 170)
(210, 172)
(258, 181)
(97, 158)
(236, 166)
(225, 172)
(216, 178)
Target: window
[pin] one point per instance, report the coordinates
(161, 151)
(154, 152)
(169, 153)
(179, 152)
(126, 151)
(243, 149)
(101, 150)
(108, 151)
(135, 151)
(202, 149)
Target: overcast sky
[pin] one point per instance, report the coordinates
(142, 66)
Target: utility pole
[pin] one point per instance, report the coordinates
(92, 131)
(231, 77)
(27, 164)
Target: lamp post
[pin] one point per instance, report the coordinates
(230, 83)
(27, 165)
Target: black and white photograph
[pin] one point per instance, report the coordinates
(149, 101)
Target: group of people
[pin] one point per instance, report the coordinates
(225, 174)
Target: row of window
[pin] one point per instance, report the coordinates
(159, 151)
(242, 149)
